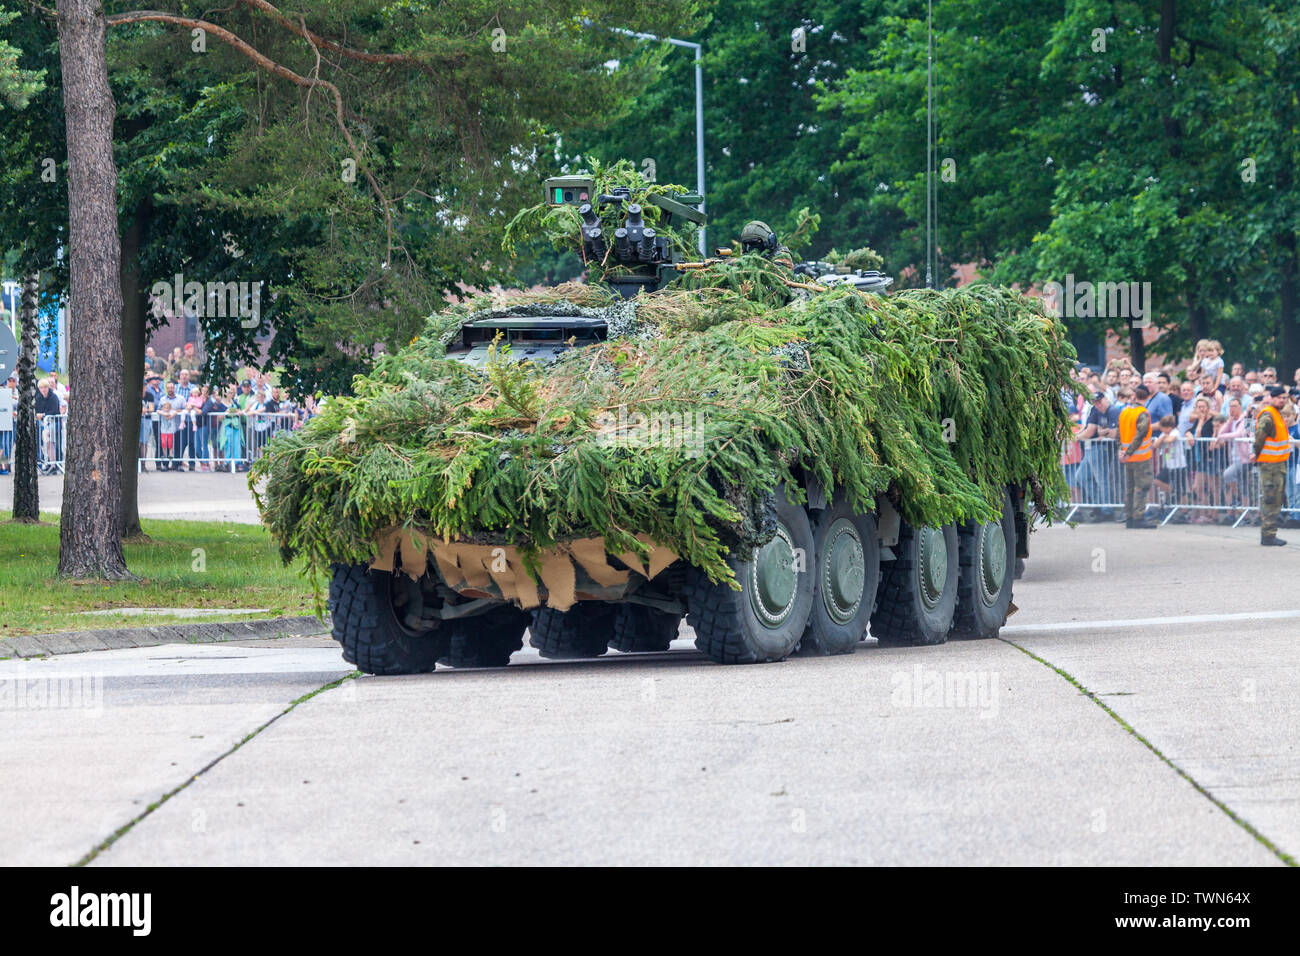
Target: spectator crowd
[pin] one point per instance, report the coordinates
(1203, 416)
(185, 422)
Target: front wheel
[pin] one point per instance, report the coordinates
(641, 629)
(487, 640)
(765, 620)
(918, 589)
(367, 625)
(581, 631)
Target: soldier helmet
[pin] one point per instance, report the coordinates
(758, 235)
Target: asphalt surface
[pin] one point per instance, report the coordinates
(181, 495)
(1142, 708)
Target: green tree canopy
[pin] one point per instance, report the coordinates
(359, 158)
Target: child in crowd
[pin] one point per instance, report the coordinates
(1207, 361)
(1171, 460)
(1213, 364)
(199, 427)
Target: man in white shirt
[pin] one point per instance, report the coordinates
(1237, 389)
(8, 404)
(1253, 401)
(1187, 396)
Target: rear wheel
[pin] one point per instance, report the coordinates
(581, 631)
(987, 567)
(844, 584)
(766, 618)
(918, 589)
(366, 623)
(638, 628)
(487, 640)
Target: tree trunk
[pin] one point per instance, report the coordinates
(1288, 345)
(1196, 314)
(90, 545)
(134, 304)
(1137, 347)
(1173, 129)
(27, 497)
(1289, 360)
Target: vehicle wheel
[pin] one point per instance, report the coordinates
(638, 628)
(844, 583)
(487, 640)
(367, 625)
(986, 568)
(918, 589)
(581, 631)
(766, 618)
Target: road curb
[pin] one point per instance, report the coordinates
(200, 632)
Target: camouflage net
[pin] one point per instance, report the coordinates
(679, 428)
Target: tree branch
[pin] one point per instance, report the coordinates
(266, 63)
(319, 41)
(1235, 57)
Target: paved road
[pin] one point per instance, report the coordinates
(1084, 737)
(192, 496)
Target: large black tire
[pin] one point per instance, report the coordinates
(728, 625)
(367, 627)
(639, 629)
(487, 640)
(912, 608)
(985, 574)
(847, 572)
(581, 631)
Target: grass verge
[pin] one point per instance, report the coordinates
(185, 564)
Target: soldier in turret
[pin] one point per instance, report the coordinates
(757, 236)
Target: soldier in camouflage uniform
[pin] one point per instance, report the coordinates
(1136, 453)
(1272, 449)
(758, 237)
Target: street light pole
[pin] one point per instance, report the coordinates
(699, 109)
(930, 195)
(699, 139)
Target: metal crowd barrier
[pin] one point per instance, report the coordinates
(1205, 481)
(221, 441)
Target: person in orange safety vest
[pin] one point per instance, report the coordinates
(1272, 450)
(1135, 453)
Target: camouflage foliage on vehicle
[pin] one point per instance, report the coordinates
(706, 396)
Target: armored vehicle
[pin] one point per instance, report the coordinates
(804, 547)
